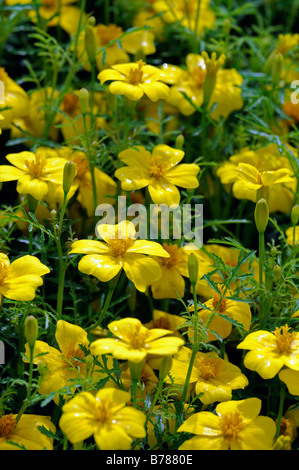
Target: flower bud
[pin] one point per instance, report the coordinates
(193, 268)
(92, 21)
(261, 215)
(295, 215)
(277, 272)
(277, 67)
(165, 367)
(212, 67)
(179, 142)
(282, 443)
(90, 43)
(69, 173)
(84, 100)
(31, 330)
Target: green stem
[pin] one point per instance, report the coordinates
(62, 212)
(107, 303)
(61, 277)
(280, 410)
(26, 401)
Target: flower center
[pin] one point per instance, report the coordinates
(174, 253)
(136, 338)
(284, 338)
(221, 307)
(103, 411)
(71, 104)
(73, 355)
(50, 4)
(162, 323)
(107, 33)
(157, 168)
(81, 166)
(208, 367)
(118, 247)
(4, 270)
(231, 424)
(36, 167)
(136, 73)
(7, 425)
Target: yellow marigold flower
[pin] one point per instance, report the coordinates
(270, 351)
(105, 416)
(65, 364)
(20, 279)
(290, 235)
(223, 86)
(25, 433)
(134, 80)
(55, 12)
(286, 42)
(159, 171)
(134, 342)
(192, 14)
(33, 171)
(225, 307)
(16, 100)
(236, 425)
(212, 378)
(172, 282)
(264, 169)
(108, 55)
(120, 249)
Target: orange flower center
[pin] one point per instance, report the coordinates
(103, 411)
(174, 253)
(81, 166)
(36, 168)
(136, 73)
(221, 307)
(231, 424)
(208, 367)
(71, 104)
(136, 337)
(118, 247)
(4, 269)
(162, 323)
(157, 168)
(7, 425)
(284, 339)
(107, 33)
(74, 355)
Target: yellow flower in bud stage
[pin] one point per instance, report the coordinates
(25, 433)
(204, 80)
(15, 100)
(229, 258)
(54, 12)
(63, 365)
(134, 80)
(236, 425)
(235, 310)
(20, 278)
(120, 250)
(34, 171)
(132, 341)
(269, 352)
(105, 416)
(33, 122)
(160, 171)
(195, 15)
(212, 378)
(264, 169)
(172, 282)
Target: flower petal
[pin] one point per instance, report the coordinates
(141, 270)
(102, 266)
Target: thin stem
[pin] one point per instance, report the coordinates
(280, 410)
(61, 277)
(26, 401)
(107, 303)
(261, 257)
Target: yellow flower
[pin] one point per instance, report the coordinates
(207, 264)
(212, 378)
(166, 321)
(105, 416)
(289, 234)
(186, 12)
(159, 171)
(172, 282)
(33, 171)
(16, 101)
(20, 279)
(134, 342)
(270, 351)
(286, 42)
(108, 55)
(235, 426)
(264, 169)
(221, 86)
(134, 80)
(291, 379)
(235, 310)
(65, 364)
(120, 249)
(25, 433)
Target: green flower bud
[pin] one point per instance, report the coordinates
(84, 100)
(179, 142)
(295, 215)
(277, 272)
(136, 369)
(193, 268)
(277, 66)
(165, 367)
(31, 330)
(90, 43)
(261, 215)
(69, 173)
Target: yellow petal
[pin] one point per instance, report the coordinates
(141, 270)
(103, 266)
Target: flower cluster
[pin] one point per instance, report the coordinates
(149, 225)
